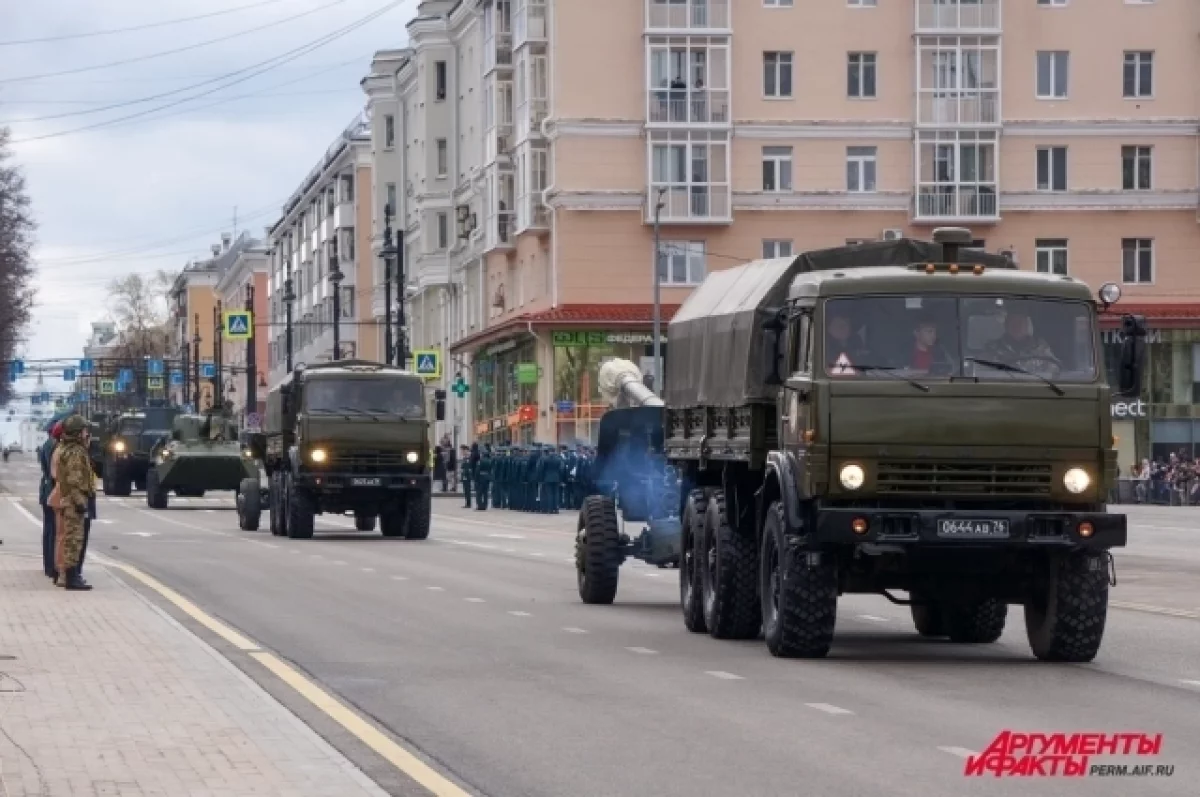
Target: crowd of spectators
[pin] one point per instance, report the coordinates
(1174, 482)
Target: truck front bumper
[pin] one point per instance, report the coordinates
(975, 527)
(357, 483)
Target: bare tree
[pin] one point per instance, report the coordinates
(16, 262)
(138, 305)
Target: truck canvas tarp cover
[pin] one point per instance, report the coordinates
(715, 357)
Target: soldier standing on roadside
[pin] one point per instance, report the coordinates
(75, 488)
(47, 485)
(483, 475)
(466, 464)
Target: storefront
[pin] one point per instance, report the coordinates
(578, 357)
(505, 379)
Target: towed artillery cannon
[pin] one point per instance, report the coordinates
(634, 485)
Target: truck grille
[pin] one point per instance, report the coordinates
(371, 462)
(963, 478)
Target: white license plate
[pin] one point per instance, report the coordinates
(365, 481)
(973, 529)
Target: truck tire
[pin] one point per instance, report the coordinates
(1065, 617)
(301, 514)
(392, 520)
(728, 576)
(156, 497)
(799, 600)
(689, 562)
(928, 618)
(978, 622)
(420, 516)
(598, 552)
(364, 522)
(249, 505)
(275, 504)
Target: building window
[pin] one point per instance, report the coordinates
(1136, 165)
(861, 85)
(862, 3)
(348, 301)
(1051, 256)
(777, 249)
(1054, 3)
(443, 158)
(682, 263)
(439, 69)
(1137, 260)
(1139, 74)
(1053, 71)
(860, 169)
(389, 131)
(348, 246)
(443, 230)
(1052, 168)
(693, 168)
(778, 3)
(390, 192)
(777, 74)
(777, 168)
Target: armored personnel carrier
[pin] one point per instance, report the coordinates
(201, 453)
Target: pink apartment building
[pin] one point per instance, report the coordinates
(1062, 131)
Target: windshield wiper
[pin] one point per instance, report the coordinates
(360, 412)
(1016, 369)
(889, 369)
(401, 416)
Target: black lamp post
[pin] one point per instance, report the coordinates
(335, 279)
(401, 290)
(289, 296)
(196, 366)
(388, 252)
(251, 354)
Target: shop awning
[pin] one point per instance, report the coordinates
(1158, 314)
(603, 316)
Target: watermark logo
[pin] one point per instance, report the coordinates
(1071, 755)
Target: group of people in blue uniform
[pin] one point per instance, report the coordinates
(539, 477)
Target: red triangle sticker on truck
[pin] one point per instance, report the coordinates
(842, 366)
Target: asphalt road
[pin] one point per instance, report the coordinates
(473, 648)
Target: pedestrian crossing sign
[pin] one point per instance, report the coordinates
(238, 324)
(107, 387)
(428, 363)
(842, 366)
(155, 383)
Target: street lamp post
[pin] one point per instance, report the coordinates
(335, 279)
(196, 366)
(289, 296)
(387, 252)
(218, 331)
(658, 385)
(251, 355)
(401, 290)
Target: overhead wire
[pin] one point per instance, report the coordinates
(144, 26)
(289, 56)
(176, 50)
(97, 102)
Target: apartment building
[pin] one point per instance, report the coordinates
(327, 220)
(243, 286)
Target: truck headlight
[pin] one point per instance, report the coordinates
(247, 453)
(119, 446)
(317, 455)
(852, 477)
(412, 457)
(1076, 480)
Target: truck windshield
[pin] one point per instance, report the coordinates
(404, 396)
(130, 426)
(882, 337)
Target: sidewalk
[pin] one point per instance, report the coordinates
(103, 694)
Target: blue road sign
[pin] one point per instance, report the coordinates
(85, 397)
(565, 407)
(126, 375)
(19, 366)
(208, 370)
(68, 374)
(177, 377)
(45, 397)
(35, 399)
(86, 367)
(154, 368)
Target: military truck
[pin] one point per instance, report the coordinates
(129, 438)
(897, 416)
(201, 453)
(348, 437)
(98, 423)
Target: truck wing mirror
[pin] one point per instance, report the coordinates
(439, 404)
(1133, 356)
(772, 345)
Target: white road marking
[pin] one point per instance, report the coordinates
(399, 578)
(1189, 682)
(508, 536)
(652, 575)
(210, 511)
(727, 676)
(643, 651)
(316, 556)
(140, 533)
(872, 618)
(474, 600)
(961, 752)
(368, 570)
(828, 709)
(510, 550)
(435, 589)
(520, 614)
(105, 521)
(572, 630)
(570, 559)
(1145, 607)
(537, 553)
(339, 562)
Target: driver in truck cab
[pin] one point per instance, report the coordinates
(1019, 345)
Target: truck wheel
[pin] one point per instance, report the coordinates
(364, 522)
(977, 622)
(393, 519)
(689, 562)
(280, 506)
(598, 550)
(728, 576)
(249, 506)
(156, 497)
(1064, 618)
(301, 514)
(799, 599)
(420, 516)
(928, 618)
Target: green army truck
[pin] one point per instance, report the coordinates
(347, 437)
(897, 416)
(129, 438)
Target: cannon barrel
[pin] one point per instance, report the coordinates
(620, 383)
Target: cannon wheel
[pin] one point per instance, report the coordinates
(598, 553)
(249, 505)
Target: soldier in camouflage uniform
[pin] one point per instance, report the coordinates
(1018, 346)
(75, 491)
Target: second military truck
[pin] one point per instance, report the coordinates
(347, 437)
(898, 415)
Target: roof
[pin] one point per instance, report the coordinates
(571, 315)
(855, 281)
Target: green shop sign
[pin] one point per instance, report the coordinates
(563, 339)
(527, 373)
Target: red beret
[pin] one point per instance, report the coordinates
(56, 432)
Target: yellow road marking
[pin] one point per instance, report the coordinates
(395, 754)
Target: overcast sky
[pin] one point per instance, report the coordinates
(152, 192)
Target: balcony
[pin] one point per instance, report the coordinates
(500, 230)
(952, 108)
(689, 107)
(498, 53)
(691, 204)
(956, 202)
(687, 15)
(343, 215)
(532, 213)
(529, 23)
(499, 143)
(530, 116)
(958, 16)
